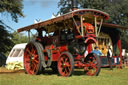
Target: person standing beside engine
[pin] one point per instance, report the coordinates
(109, 57)
(96, 51)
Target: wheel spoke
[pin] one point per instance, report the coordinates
(28, 51)
(93, 61)
(62, 60)
(36, 61)
(35, 56)
(27, 60)
(32, 46)
(32, 68)
(27, 66)
(66, 60)
(32, 50)
(66, 71)
(63, 69)
(35, 67)
(30, 71)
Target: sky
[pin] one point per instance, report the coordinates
(34, 9)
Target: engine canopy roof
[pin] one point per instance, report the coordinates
(89, 14)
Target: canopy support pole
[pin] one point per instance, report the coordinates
(81, 21)
(99, 28)
(76, 26)
(96, 26)
(28, 35)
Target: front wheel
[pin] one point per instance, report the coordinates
(32, 58)
(66, 64)
(93, 65)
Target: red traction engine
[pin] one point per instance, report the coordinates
(64, 43)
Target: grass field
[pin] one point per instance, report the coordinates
(106, 77)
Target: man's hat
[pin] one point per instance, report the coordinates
(96, 47)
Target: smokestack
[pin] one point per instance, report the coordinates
(74, 5)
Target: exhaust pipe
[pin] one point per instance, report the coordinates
(74, 5)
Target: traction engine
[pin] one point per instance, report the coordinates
(65, 43)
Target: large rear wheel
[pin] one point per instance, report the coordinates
(93, 65)
(66, 64)
(32, 58)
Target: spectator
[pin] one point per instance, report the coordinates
(109, 57)
(96, 51)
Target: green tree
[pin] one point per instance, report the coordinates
(65, 5)
(5, 40)
(13, 8)
(124, 39)
(18, 38)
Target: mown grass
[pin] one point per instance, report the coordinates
(106, 77)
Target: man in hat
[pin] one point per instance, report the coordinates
(96, 51)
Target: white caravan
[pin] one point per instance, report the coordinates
(16, 56)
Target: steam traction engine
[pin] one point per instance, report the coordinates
(64, 43)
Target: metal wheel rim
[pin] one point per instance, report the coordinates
(92, 66)
(31, 59)
(64, 65)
